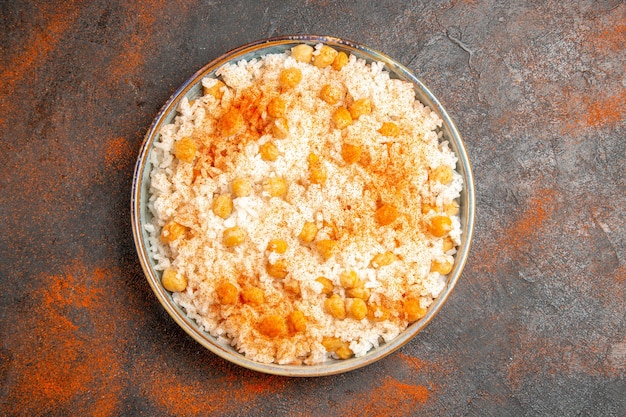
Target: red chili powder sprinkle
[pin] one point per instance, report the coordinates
(58, 365)
(117, 153)
(606, 110)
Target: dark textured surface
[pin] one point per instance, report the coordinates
(536, 325)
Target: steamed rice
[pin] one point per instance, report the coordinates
(391, 170)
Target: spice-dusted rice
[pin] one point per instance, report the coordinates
(361, 231)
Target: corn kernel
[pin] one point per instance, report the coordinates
(185, 149)
(440, 226)
(275, 186)
(386, 214)
(241, 187)
(326, 248)
(273, 326)
(297, 321)
(317, 170)
(325, 57)
(349, 279)
(327, 285)
(234, 236)
(172, 231)
(383, 259)
(389, 129)
(358, 292)
(308, 232)
(360, 107)
(342, 118)
(231, 122)
(357, 309)
(227, 293)
(344, 352)
(277, 107)
(341, 60)
(253, 296)
(280, 128)
(277, 270)
(215, 90)
(173, 281)
(277, 245)
(443, 267)
(331, 94)
(302, 53)
(331, 344)
(290, 77)
(351, 153)
(452, 208)
(222, 205)
(335, 306)
(412, 310)
(292, 286)
(268, 151)
(442, 174)
(448, 244)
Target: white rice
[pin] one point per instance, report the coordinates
(397, 172)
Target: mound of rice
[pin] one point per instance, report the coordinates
(287, 319)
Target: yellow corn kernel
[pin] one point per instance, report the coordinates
(440, 226)
(277, 107)
(234, 236)
(172, 231)
(308, 232)
(290, 77)
(344, 352)
(360, 107)
(326, 248)
(331, 94)
(357, 309)
(297, 321)
(386, 214)
(185, 149)
(241, 187)
(331, 344)
(341, 60)
(227, 293)
(273, 326)
(302, 53)
(412, 310)
(448, 244)
(452, 208)
(383, 259)
(277, 245)
(327, 285)
(342, 118)
(351, 153)
(215, 90)
(349, 279)
(275, 186)
(292, 286)
(173, 281)
(376, 312)
(335, 306)
(268, 151)
(222, 205)
(442, 174)
(427, 207)
(253, 296)
(231, 122)
(443, 267)
(277, 270)
(389, 129)
(325, 57)
(358, 292)
(280, 128)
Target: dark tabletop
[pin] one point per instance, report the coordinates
(536, 324)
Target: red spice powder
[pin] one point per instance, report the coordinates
(606, 109)
(117, 153)
(57, 365)
(389, 398)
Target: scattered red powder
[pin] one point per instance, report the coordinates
(118, 152)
